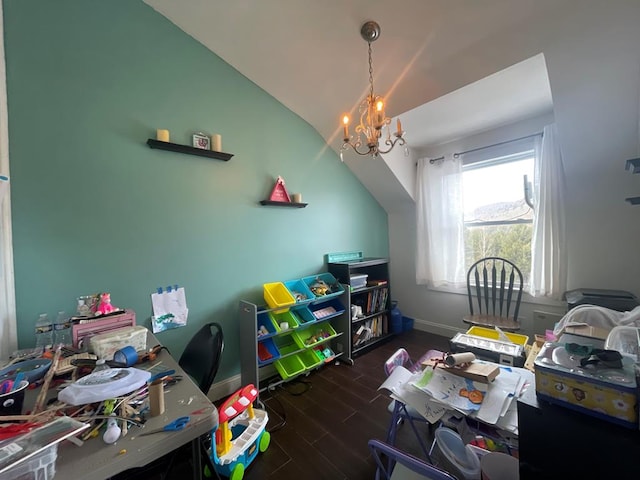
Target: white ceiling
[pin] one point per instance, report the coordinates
(309, 55)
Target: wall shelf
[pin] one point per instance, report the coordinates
(283, 204)
(175, 147)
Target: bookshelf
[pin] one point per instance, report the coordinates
(369, 305)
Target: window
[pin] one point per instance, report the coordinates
(497, 220)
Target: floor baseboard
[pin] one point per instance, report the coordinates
(437, 328)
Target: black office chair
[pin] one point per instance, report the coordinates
(202, 355)
(394, 464)
(498, 294)
(201, 360)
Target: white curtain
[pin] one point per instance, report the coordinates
(548, 245)
(8, 332)
(439, 223)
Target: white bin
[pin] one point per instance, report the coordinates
(451, 454)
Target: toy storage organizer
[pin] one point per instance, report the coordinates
(299, 329)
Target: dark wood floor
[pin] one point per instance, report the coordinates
(331, 414)
(320, 423)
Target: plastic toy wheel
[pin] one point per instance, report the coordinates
(237, 473)
(264, 441)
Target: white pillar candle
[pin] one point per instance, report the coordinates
(216, 142)
(162, 135)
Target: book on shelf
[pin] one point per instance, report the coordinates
(375, 283)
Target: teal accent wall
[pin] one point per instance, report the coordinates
(95, 209)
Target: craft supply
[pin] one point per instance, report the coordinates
(112, 433)
(459, 359)
(177, 424)
(126, 356)
(47, 380)
(100, 386)
(156, 398)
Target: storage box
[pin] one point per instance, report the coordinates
(41, 466)
(324, 310)
(493, 334)
(358, 281)
(504, 353)
(106, 344)
(266, 326)
(599, 391)
(323, 285)
(267, 351)
(289, 366)
(311, 336)
(277, 296)
(284, 319)
(299, 290)
(304, 315)
(309, 359)
(286, 344)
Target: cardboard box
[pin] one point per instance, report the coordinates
(599, 391)
(587, 331)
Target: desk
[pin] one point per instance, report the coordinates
(96, 460)
(556, 442)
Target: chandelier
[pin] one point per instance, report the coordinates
(372, 115)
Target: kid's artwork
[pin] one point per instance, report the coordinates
(169, 309)
(460, 393)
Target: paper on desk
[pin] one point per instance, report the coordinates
(457, 392)
(499, 395)
(399, 384)
(169, 309)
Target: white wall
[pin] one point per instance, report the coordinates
(593, 63)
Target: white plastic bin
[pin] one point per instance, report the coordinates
(451, 454)
(42, 466)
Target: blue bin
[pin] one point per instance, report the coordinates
(299, 290)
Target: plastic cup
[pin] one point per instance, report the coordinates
(11, 402)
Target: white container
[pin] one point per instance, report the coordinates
(42, 466)
(106, 344)
(451, 454)
(358, 281)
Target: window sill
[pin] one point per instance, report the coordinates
(526, 298)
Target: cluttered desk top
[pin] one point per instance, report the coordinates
(96, 459)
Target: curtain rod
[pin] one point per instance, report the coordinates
(457, 154)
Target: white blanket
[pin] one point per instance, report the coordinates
(599, 317)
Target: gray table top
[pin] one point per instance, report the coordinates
(96, 460)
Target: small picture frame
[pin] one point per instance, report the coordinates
(200, 140)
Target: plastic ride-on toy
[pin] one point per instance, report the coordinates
(241, 433)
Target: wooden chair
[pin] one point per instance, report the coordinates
(496, 285)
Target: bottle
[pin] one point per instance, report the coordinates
(62, 329)
(101, 365)
(44, 332)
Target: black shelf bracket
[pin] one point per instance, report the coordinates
(283, 204)
(175, 147)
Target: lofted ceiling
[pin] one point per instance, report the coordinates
(309, 55)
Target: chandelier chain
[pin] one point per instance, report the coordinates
(370, 71)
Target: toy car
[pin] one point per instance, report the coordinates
(240, 435)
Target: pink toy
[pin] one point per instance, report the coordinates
(104, 305)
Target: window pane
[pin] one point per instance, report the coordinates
(495, 192)
(512, 242)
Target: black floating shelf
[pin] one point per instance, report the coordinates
(633, 200)
(283, 204)
(176, 147)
